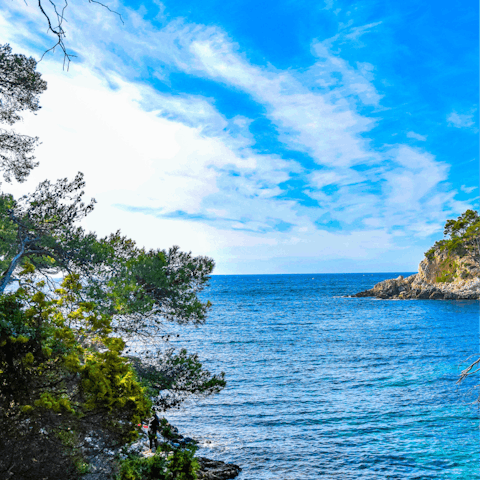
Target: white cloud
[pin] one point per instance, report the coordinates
(163, 153)
(458, 120)
(466, 189)
(134, 157)
(416, 136)
(338, 177)
(409, 186)
(356, 32)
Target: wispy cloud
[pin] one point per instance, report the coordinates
(416, 136)
(466, 189)
(175, 157)
(459, 120)
(356, 32)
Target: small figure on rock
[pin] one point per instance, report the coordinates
(153, 426)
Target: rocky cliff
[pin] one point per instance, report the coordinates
(441, 276)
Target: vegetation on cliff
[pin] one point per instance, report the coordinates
(450, 270)
(462, 237)
(457, 257)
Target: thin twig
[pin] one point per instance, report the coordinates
(59, 32)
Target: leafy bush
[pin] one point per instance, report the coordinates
(183, 465)
(430, 254)
(180, 465)
(139, 468)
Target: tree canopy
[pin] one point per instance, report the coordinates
(463, 237)
(81, 317)
(20, 88)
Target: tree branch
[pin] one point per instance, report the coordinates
(58, 30)
(468, 371)
(13, 264)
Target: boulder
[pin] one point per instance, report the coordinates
(216, 470)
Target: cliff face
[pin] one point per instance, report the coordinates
(448, 269)
(442, 276)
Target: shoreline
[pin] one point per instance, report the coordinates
(415, 287)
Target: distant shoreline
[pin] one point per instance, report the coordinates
(307, 274)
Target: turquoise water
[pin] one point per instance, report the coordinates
(324, 386)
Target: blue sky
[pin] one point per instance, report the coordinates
(275, 137)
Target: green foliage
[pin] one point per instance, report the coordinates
(176, 376)
(44, 227)
(462, 225)
(52, 377)
(430, 253)
(70, 439)
(53, 381)
(179, 465)
(109, 382)
(20, 87)
(448, 271)
(123, 280)
(82, 466)
(63, 367)
(465, 274)
(446, 277)
(139, 468)
(463, 237)
(183, 465)
(8, 231)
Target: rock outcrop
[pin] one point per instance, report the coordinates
(216, 470)
(442, 276)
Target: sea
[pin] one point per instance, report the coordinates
(324, 386)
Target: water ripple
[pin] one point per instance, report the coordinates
(324, 386)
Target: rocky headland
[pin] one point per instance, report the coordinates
(441, 276)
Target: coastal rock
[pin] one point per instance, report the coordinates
(216, 470)
(99, 452)
(441, 277)
(101, 456)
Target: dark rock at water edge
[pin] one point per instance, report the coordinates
(216, 470)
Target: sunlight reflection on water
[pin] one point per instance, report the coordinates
(324, 386)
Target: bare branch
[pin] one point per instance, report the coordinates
(468, 371)
(109, 9)
(59, 18)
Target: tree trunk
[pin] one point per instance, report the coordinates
(13, 264)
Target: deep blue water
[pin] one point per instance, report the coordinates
(323, 386)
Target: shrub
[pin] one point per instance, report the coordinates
(448, 271)
(446, 277)
(139, 468)
(183, 465)
(180, 465)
